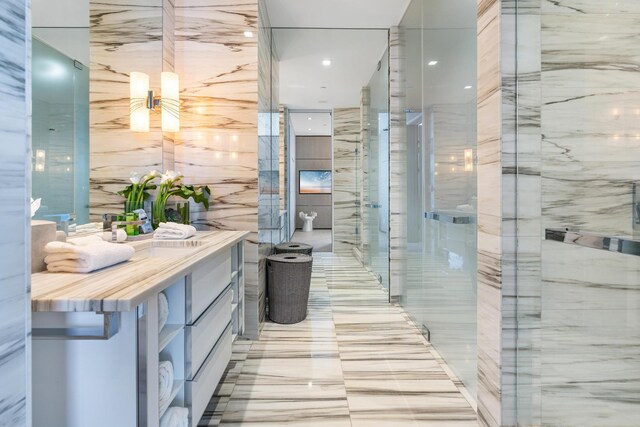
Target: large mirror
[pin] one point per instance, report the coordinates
(83, 148)
(60, 102)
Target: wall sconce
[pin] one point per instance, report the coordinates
(143, 100)
(468, 160)
(41, 156)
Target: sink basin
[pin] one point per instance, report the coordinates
(172, 248)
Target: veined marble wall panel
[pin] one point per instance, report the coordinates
(168, 64)
(365, 118)
(346, 194)
(125, 36)
(397, 164)
(589, 163)
(15, 184)
(284, 179)
(496, 214)
(218, 145)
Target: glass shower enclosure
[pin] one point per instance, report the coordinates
(441, 290)
(60, 94)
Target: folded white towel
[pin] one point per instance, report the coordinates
(85, 254)
(172, 230)
(175, 417)
(163, 310)
(165, 384)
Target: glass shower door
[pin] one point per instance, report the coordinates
(377, 174)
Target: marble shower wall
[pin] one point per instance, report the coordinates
(218, 142)
(397, 164)
(346, 164)
(15, 184)
(365, 114)
(578, 160)
(125, 36)
(496, 213)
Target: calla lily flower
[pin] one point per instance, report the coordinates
(134, 178)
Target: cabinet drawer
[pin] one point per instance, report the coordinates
(206, 282)
(204, 333)
(201, 388)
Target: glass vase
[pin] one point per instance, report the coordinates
(183, 211)
(130, 215)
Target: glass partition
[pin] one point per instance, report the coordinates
(440, 63)
(376, 172)
(60, 94)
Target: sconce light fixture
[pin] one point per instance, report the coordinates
(143, 100)
(468, 160)
(41, 156)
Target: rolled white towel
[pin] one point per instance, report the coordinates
(163, 310)
(175, 417)
(121, 235)
(85, 254)
(165, 384)
(172, 230)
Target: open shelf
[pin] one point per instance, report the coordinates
(177, 385)
(167, 334)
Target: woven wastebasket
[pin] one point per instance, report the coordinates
(289, 280)
(294, 248)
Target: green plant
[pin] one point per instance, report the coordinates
(171, 185)
(138, 191)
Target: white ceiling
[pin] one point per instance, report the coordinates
(306, 84)
(336, 13)
(311, 124)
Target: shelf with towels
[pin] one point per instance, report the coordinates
(175, 390)
(167, 334)
(617, 244)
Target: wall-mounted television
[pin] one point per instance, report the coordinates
(315, 182)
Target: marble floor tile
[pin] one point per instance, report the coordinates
(357, 360)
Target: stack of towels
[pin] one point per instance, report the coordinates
(84, 255)
(175, 417)
(173, 230)
(163, 310)
(165, 384)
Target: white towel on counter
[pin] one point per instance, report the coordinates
(163, 310)
(172, 230)
(175, 417)
(165, 384)
(85, 254)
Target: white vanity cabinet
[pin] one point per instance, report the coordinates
(100, 369)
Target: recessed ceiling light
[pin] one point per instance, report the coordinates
(326, 62)
(308, 118)
(432, 63)
(309, 129)
(248, 34)
(468, 87)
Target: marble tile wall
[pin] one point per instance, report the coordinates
(397, 163)
(496, 213)
(365, 113)
(346, 194)
(217, 144)
(125, 36)
(15, 184)
(168, 64)
(578, 161)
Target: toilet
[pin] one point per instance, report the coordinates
(307, 220)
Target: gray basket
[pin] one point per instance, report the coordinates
(289, 280)
(294, 248)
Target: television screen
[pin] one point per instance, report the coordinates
(315, 182)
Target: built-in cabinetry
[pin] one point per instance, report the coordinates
(102, 369)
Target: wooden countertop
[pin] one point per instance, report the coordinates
(124, 286)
